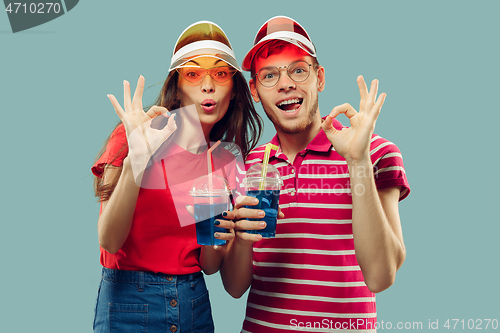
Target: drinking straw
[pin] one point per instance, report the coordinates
(209, 163)
(265, 162)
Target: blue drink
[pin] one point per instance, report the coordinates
(268, 202)
(205, 216)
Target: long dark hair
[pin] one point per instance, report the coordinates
(240, 125)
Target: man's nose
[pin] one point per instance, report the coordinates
(284, 81)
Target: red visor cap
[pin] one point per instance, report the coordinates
(282, 28)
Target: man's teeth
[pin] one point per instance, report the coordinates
(289, 101)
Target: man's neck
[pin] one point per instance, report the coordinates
(292, 144)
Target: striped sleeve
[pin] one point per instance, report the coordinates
(388, 165)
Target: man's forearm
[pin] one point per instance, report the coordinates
(376, 228)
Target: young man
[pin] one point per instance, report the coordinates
(340, 240)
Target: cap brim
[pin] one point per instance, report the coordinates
(205, 53)
(246, 65)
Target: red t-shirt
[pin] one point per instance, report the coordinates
(157, 242)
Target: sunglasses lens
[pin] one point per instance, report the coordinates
(196, 74)
(221, 74)
(192, 74)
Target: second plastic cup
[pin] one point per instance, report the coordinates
(267, 189)
(210, 199)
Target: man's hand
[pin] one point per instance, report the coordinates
(240, 214)
(353, 143)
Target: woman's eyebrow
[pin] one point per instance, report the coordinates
(193, 62)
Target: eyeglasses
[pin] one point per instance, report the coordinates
(195, 75)
(298, 71)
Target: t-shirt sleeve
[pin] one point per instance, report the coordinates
(388, 166)
(115, 153)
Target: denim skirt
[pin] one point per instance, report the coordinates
(135, 301)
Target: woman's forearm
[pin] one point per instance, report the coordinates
(117, 213)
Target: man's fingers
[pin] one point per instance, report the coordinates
(118, 109)
(244, 200)
(248, 213)
(345, 108)
(249, 225)
(363, 90)
(248, 237)
(373, 93)
(378, 106)
(280, 213)
(137, 101)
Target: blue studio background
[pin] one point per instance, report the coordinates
(436, 60)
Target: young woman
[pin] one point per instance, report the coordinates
(152, 264)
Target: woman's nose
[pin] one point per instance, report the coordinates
(207, 84)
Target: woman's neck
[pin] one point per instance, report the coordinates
(192, 137)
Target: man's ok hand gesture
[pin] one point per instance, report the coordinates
(353, 143)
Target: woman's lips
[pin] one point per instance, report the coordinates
(208, 105)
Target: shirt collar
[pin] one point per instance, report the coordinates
(319, 143)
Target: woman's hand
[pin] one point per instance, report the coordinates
(143, 140)
(221, 223)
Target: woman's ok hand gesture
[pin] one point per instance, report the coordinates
(143, 140)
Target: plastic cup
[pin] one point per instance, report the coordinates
(266, 188)
(210, 199)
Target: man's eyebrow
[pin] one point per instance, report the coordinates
(218, 60)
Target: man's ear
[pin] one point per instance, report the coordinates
(321, 78)
(253, 90)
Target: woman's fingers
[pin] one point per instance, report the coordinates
(169, 128)
(224, 235)
(137, 101)
(226, 224)
(118, 109)
(156, 110)
(127, 104)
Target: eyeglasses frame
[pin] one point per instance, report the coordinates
(279, 71)
(206, 73)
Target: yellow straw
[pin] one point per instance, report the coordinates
(209, 163)
(265, 162)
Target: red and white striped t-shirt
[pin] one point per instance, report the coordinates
(307, 278)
